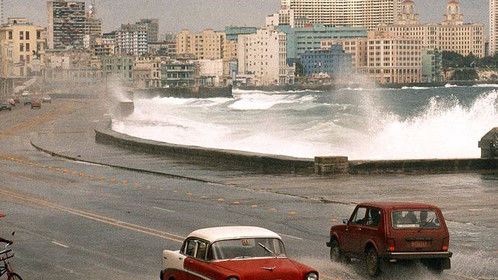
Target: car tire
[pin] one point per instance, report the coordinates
(335, 251)
(14, 276)
(372, 262)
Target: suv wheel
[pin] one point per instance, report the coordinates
(372, 263)
(335, 251)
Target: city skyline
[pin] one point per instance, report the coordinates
(199, 14)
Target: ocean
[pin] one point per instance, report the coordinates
(361, 123)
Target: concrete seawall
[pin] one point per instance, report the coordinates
(282, 164)
(217, 157)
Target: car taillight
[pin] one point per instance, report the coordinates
(444, 247)
(391, 245)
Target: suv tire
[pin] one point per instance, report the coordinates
(372, 262)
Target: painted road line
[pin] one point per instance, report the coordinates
(95, 217)
(164, 209)
(59, 244)
(291, 236)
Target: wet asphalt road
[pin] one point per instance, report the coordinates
(84, 221)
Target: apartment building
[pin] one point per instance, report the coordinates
(152, 29)
(493, 26)
(132, 39)
(66, 24)
(147, 72)
(385, 58)
(302, 39)
(22, 48)
(452, 34)
(359, 13)
(208, 44)
(263, 57)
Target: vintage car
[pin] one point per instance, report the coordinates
(389, 232)
(233, 253)
(36, 104)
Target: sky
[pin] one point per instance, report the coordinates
(175, 15)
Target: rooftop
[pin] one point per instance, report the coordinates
(233, 232)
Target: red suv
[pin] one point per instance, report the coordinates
(388, 232)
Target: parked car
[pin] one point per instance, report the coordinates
(391, 232)
(27, 101)
(5, 106)
(36, 104)
(17, 100)
(24, 94)
(231, 253)
(12, 102)
(47, 99)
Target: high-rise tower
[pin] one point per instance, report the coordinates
(66, 23)
(493, 26)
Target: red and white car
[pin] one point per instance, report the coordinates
(233, 253)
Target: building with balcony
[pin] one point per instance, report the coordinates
(66, 24)
(177, 74)
(132, 39)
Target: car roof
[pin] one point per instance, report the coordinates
(398, 205)
(233, 232)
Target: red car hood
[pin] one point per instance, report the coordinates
(266, 269)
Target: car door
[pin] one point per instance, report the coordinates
(352, 233)
(369, 228)
(191, 263)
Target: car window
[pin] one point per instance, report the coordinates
(359, 217)
(415, 219)
(373, 217)
(201, 250)
(247, 248)
(190, 247)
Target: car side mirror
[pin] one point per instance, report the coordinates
(345, 221)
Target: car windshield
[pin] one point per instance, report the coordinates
(247, 248)
(415, 219)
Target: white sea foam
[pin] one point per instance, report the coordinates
(444, 129)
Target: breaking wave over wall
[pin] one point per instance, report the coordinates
(360, 123)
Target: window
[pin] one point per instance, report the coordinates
(10, 35)
(27, 35)
(27, 47)
(415, 219)
(21, 35)
(189, 247)
(21, 47)
(201, 250)
(38, 34)
(359, 217)
(373, 215)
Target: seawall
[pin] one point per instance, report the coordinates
(274, 164)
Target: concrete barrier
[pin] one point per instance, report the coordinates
(331, 165)
(489, 144)
(214, 157)
(265, 163)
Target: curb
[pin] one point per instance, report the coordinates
(169, 175)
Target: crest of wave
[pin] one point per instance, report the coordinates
(446, 129)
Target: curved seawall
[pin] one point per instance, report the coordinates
(282, 164)
(216, 157)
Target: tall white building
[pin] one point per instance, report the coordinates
(132, 39)
(262, 57)
(359, 13)
(493, 26)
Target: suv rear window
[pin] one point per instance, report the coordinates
(415, 219)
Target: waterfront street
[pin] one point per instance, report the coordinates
(75, 220)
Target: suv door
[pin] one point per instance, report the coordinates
(352, 233)
(370, 228)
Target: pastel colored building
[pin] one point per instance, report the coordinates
(333, 61)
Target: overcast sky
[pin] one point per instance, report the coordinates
(175, 15)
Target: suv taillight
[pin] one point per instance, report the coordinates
(391, 245)
(445, 244)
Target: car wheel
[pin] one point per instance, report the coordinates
(372, 263)
(335, 251)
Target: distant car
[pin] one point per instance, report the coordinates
(47, 99)
(24, 94)
(12, 102)
(17, 100)
(36, 104)
(231, 253)
(27, 101)
(5, 106)
(390, 232)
